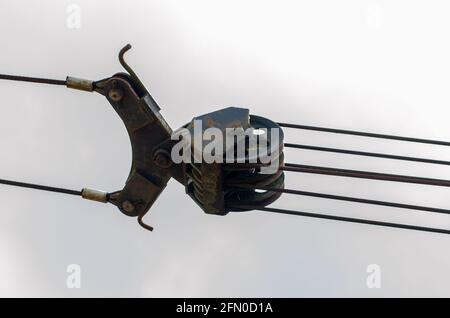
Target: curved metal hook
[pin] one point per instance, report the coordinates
(141, 222)
(130, 71)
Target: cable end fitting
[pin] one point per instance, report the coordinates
(80, 84)
(94, 195)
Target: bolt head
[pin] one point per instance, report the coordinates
(162, 159)
(127, 206)
(115, 94)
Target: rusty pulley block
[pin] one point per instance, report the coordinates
(228, 160)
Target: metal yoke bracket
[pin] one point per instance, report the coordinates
(146, 129)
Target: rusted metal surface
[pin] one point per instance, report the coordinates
(208, 184)
(146, 180)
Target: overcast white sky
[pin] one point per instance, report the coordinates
(380, 66)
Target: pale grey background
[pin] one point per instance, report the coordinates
(381, 66)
